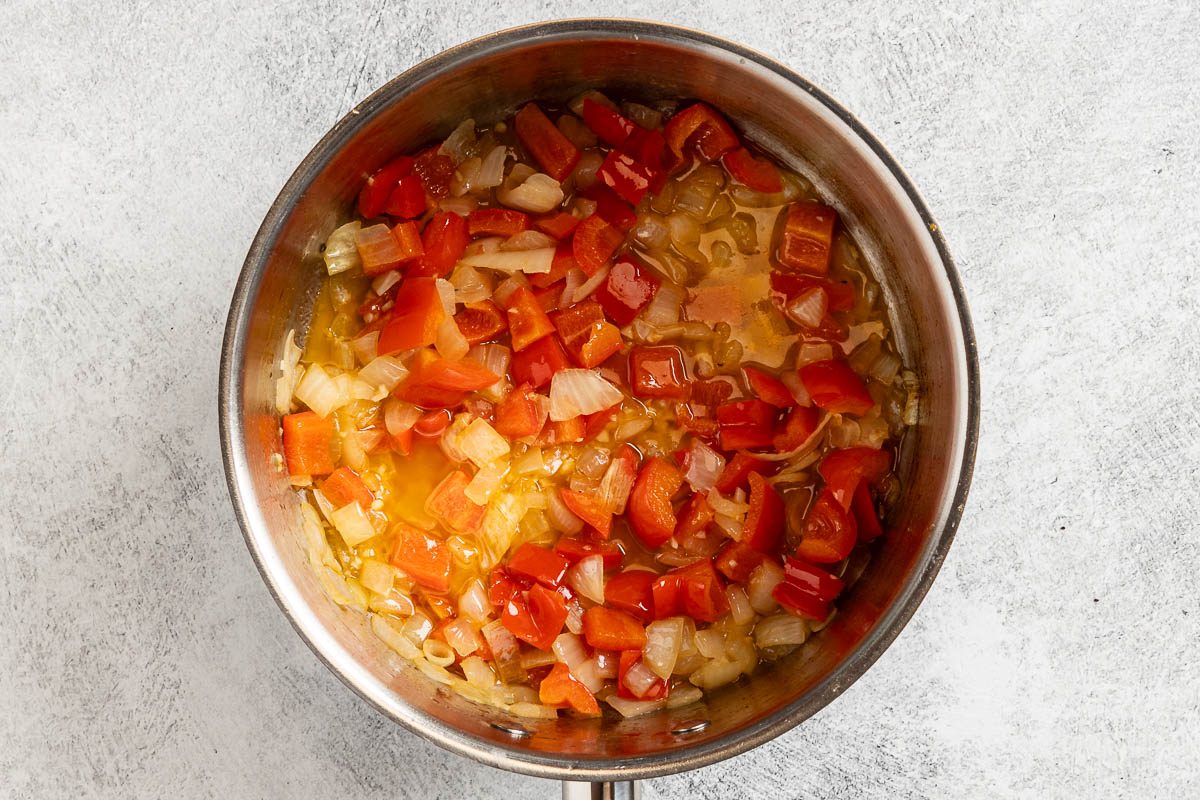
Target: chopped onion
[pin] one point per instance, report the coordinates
(587, 578)
(562, 518)
(723, 505)
(341, 254)
(470, 285)
(579, 134)
(745, 196)
(589, 675)
(449, 341)
(740, 609)
(684, 695)
(781, 629)
(465, 177)
(395, 602)
(585, 171)
(639, 679)
(527, 240)
(486, 482)
(587, 287)
(480, 443)
(576, 392)
(704, 466)
(533, 711)
(462, 636)
(663, 640)
(398, 416)
(445, 290)
(576, 102)
(886, 367)
(385, 372)
(286, 385)
(651, 231)
(574, 616)
(365, 347)
(437, 653)
(509, 285)
(417, 627)
(643, 115)
(506, 652)
(392, 636)
(352, 523)
(813, 351)
(500, 525)
(473, 602)
(809, 307)
(451, 439)
(460, 142)
(377, 576)
(710, 642)
(568, 648)
(592, 463)
(532, 262)
(664, 308)
(684, 230)
(631, 428)
(491, 170)
(607, 663)
(538, 194)
(532, 659)
(791, 379)
(319, 391)
(488, 244)
(763, 580)
(459, 205)
(715, 673)
(530, 462)
(634, 708)
(495, 357)
(478, 673)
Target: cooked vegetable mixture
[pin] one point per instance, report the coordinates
(598, 405)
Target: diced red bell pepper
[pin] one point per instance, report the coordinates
(737, 471)
(701, 127)
(560, 224)
(829, 532)
(421, 557)
(865, 515)
(564, 262)
(595, 423)
(408, 236)
(549, 147)
(746, 424)
(667, 594)
(629, 591)
(737, 560)
(710, 393)
(588, 336)
(612, 128)
(407, 199)
(768, 388)
(594, 243)
(520, 414)
(548, 298)
(432, 423)
(702, 592)
(562, 690)
(628, 289)
(628, 660)
(841, 294)
(343, 486)
(658, 372)
(625, 176)
(496, 222)
(502, 587)
(308, 443)
(375, 191)
(539, 564)
(481, 322)
(574, 548)
(537, 363)
(378, 249)
(843, 470)
(695, 421)
(807, 590)
(436, 382)
(527, 322)
(449, 505)
(807, 238)
(800, 603)
(650, 510)
(649, 148)
(611, 208)
(799, 424)
(694, 518)
(587, 506)
(610, 629)
(436, 171)
(834, 386)
(764, 523)
(537, 618)
(416, 315)
(759, 174)
(568, 431)
(445, 239)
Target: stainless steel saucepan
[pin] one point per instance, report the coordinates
(485, 79)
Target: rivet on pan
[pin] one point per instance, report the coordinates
(690, 727)
(512, 730)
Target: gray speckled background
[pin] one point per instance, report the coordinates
(140, 145)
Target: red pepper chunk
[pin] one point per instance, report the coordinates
(545, 142)
(610, 208)
(407, 199)
(626, 291)
(594, 243)
(702, 592)
(343, 486)
(432, 423)
(449, 505)
(650, 510)
(527, 322)
(538, 564)
(308, 443)
(625, 176)
(829, 532)
(588, 508)
(844, 470)
(628, 660)
(746, 424)
(629, 591)
(562, 690)
(658, 372)
(840, 293)
(574, 548)
(759, 174)
(807, 238)
(537, 363)
(378, 249)
(609, 629)
(667, 591)
(496, 222)
(763, 526)
(436, 382)
(812, 580)
(697, 514)
(865, 515)
(701, 127)
(834, 386)
(649, 148)
(559, 225)
(737, 471)
(589, 337)
(481, 322)
(375, 191)
(612, 128)
(445, 240)
(520, 414)
(537, 618)
(768, 388)
(737, 560)
(421, 557)
(800, 424)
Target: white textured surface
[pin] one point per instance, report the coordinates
(1057, 654)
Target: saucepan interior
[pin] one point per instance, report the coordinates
(487, 79)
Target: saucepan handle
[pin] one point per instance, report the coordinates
(602, 790)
